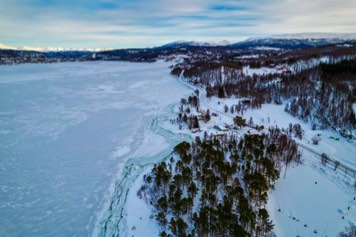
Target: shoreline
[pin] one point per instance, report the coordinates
(304, 168)
(110, 220)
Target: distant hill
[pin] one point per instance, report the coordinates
(12, 55)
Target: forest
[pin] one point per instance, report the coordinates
(219, 186)
(320, 93)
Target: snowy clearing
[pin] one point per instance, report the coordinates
(307, 201)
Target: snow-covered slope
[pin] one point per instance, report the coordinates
(295, 41)
(51, 49)
(343, 36)
(277, 41)
(197, 43)
(330, 37)
(4, 46)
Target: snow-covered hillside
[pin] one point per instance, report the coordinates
(329, 37)
(302, 203)
(343, 36)
(51, 49)
(196, 43)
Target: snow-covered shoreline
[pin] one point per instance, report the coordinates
(116, 218)
(328, 211)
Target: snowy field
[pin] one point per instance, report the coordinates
(309, 201)
(70, 133)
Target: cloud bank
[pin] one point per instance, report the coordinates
(142, 23)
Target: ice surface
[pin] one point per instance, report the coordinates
(66, 132)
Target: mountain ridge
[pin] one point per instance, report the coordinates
(304, 39)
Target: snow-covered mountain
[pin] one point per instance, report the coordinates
(196, 43)
(3, 46)
(295, 41)
(273, 42)
(341, 36)
(298, 40)
(52, 49)
(277, 41)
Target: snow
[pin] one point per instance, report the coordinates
(72, 135)
(77, 138)
(4, 46)
(325, 59)
(139, 213)
(314, 35)
(198, 43)
(51, 49)
(259, 71)
(342, 150)
(320, 206)
(272, 115)
(309, 35)
(249, 56)
(311, 199)
(268, 48)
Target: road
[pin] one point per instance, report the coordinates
(349, 170)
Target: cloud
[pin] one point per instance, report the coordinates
(305, 16)
(141, 23)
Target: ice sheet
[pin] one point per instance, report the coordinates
(66, 132)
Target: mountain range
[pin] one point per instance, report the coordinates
(273, 42)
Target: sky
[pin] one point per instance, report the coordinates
(147, 23)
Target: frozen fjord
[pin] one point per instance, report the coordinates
(66, 131)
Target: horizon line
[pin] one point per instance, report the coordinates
(223, 42)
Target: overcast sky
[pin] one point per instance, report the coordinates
(142, 23)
